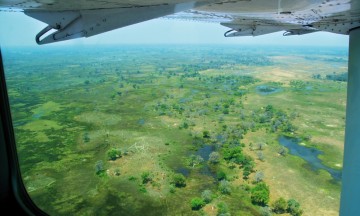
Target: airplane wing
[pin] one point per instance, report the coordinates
(82, 18)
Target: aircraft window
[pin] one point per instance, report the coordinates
(178, 124)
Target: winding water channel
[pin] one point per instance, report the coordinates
(310, 155)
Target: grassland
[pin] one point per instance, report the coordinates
(164, 109)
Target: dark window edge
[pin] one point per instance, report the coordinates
(13, 195)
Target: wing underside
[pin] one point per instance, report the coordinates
(74, 19)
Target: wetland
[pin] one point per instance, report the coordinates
(178, 130)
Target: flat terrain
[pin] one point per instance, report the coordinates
(109, 130)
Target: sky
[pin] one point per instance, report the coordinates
(17, 29)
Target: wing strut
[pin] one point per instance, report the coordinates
(349, 204)
(85, 23)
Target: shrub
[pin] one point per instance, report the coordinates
(246, 174)
(293, 208)
(214, 157)
(223, 209)
(117, 172)
(282, 151)
(206, 134)
(224, 187)
(172, 189)
(265, 211)
(260, 194)
(261, 156)
(99, 167)
(197, 203)
(113, 154)
(259, 176)
(195, 160)
(146, 177)
(260, 146)
(132, 178)
(233, 154)
(280, 206)
(142, 189)
(207, 196)
(86, 137)
(179, 180)
(221, 175)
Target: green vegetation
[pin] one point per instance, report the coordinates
(293, 207)
(197, 203)
(279, 206)
(224, 187)
(223, 209)
(214, 157)
(158, 130)
(207, 196)
(195, 160)
(146, 177)
(113, 154)
(179, 180)
(221, 175)
(265, 211)
(99, 167)
(260, 194)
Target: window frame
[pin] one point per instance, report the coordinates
(13, 194)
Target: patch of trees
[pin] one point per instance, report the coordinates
(224, 187)
(332, 59)
(206, 197)
(282, 151)
(279, 206)
(197, 203)
(316, 76)
(272, 119)
(178, 180)
(223, 209)
(113, 154)
(260, 194)
(221, 175)
(341, 77)
(298, 85)
(194, 160)
(291, 206)
(234, 154)
(214, 158)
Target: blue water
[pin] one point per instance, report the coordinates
(204, 152)
(266, 90)
(310, 155)
(184, 171)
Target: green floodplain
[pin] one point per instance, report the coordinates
(179, 130)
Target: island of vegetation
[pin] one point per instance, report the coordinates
(160, 130)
